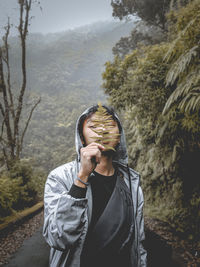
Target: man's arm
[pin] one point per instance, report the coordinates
(141, 235)
(64, 216)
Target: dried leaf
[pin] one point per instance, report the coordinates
(102, 122)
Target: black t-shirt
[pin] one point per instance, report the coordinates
(102, 187)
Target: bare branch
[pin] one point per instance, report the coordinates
(27, 7)
(23, 31)
(5, 155)
(2, 110)
(10, 139)
(3, 140)
(27, 123)
(6, 59)
(2, 128)
(6, 111)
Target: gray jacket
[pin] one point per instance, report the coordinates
(66, 219)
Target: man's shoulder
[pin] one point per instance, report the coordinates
(62, 175)
(64, 169)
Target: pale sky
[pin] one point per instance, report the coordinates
(59, 15)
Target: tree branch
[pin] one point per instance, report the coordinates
(26, 126)
(2, 139)
(23, 31)
(2, 126)
(2, 110)
(6, 59)
(5, 98)
(10, 140)
(5, 155)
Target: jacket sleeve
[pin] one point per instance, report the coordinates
(64, 216)
(141, 235)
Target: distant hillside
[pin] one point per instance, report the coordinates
(65, 70)
(56, 61)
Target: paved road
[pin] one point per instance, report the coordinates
(33, 253)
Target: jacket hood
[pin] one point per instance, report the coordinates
(120, 156)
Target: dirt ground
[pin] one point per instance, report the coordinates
(182, 252)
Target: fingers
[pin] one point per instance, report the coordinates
(90, 153)
(93, 150)
(93, 144)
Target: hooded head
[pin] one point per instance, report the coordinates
(120, 155)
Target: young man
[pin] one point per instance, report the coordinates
(93, 206)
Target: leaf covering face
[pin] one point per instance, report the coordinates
(104, 127)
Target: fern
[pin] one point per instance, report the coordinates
(102, 127)
(191, 101)
(187, 93)
(183, 59)
(174, 46)
(180, 65)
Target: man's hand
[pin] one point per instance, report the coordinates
(90, 157)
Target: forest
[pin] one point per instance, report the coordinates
(64, 70)
(148, 70)
(155, 85)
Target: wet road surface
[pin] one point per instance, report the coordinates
(33, 253)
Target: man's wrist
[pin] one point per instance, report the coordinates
(78, 183)
(84, 178)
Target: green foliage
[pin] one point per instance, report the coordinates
(180, 65)
(155, 14)
(142, 34)
(151, 11)
(137, 79)
(8, 194)
(167, 73)
(19, 188)
(183, 56)
(157, 89)
(65, 70)
(102, 126)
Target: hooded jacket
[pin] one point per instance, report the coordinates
(66, 219)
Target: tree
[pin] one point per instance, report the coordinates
(12, 133)
(183, 56)
(142, 34)
(168, 74)
(157, 90)
(152, 11)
